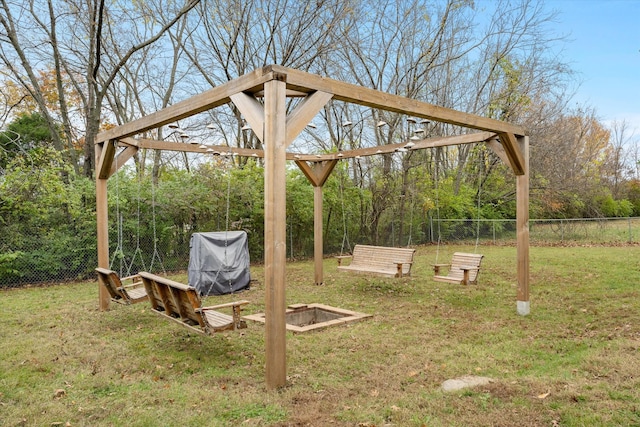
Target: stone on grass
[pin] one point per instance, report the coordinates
(464, 382)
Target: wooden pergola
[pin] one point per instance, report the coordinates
(277, 129)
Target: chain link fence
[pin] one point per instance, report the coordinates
(130, 253)
(601, 231)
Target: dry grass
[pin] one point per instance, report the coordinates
(574, 361)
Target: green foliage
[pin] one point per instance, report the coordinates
(299, 213)
(22, 136)
(511, 96)
(633, 195)
(613, 208)
(47, 218)
(8, 266)
(32, 128)
(345, 208)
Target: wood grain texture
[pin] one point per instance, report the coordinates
(181, 303)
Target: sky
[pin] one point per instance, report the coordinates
(603, 47)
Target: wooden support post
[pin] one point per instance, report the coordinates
(318, 253)
(275, 249)
(522, 229)
(317, 173)
(102, 223)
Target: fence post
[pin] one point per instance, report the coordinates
(493, 224)
(431, 227)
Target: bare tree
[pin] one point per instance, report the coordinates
(618, 163)
(82, 40)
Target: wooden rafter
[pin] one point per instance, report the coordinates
(319, 90)
(347, 154)
(354, 94)
(212, 98)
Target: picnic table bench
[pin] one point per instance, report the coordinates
(379, 260)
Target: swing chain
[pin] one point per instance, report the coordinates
(226, 240)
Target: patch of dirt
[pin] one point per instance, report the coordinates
(313, 410)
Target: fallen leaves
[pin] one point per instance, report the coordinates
(544, 395)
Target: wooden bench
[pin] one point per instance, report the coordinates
(127, 290)
(380, 260)
(181, 303)
(464, 269)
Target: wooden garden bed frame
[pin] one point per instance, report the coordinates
(276, 129)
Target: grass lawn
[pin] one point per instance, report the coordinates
(574, 361)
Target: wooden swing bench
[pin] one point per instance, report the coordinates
(181, 303)
(464, 269)
(126, 290)
(379, 260)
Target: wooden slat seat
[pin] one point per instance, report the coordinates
(181, 303)
(125, 290)
(379, 260)
(464, 269)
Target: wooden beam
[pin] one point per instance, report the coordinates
(496, 147)
(290, 94)
(252, 111)
(102, 229)
(122, 158)
(305, 82)
(313, 158)
(104, 159)
(300, 117)
(300, 83)
(522, 231)
(392, 148)
(317, 172)
(444, 141)
(275, 236)
(318, 238)
(512, 149)
(193, 148)
(212, 98)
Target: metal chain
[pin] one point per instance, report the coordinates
(156, 254)
(226, 240)
(118, 253)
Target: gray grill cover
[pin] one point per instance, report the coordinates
(219, 262)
